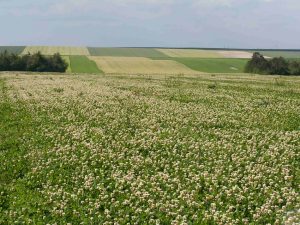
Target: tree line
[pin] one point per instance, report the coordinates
(275, 66)
(32, 62)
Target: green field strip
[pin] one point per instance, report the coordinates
(12, 49)
(82, 64)
(126, 52)
(285, 54)
(214, 65)
(67, 59)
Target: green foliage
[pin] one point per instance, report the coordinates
(103, 150)
(36, 62)
(276, 66)
(294, 67)
(82, 64)
(258, 64)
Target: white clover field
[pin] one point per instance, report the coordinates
(207, 149)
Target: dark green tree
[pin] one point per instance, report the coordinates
(258, 64)
(279, 66)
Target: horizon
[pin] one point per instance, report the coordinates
(161, 47)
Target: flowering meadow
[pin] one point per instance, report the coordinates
(95, 149)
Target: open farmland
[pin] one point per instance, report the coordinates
(140, 65)
(199, 53)
(214, 65)
(190, 53)
(82, 64)
(51, 50)
(212, 149)
(12, 49)
(285, 54)
(126, 52)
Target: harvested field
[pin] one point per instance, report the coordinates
(12, 49)
(190, 53)
(82, 64)
(51, 50)
(198, 53)
(235, 54)
(140, 65)
(128, 52)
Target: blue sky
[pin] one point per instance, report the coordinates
(168, 23)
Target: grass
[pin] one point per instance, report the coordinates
(82, 64)
(220, 149)
(126, 52)
(12, 49)
(214, 65)
(17, 129)
(67, 59)
(140, 65)
(50, 50)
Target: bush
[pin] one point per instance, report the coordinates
(36, 63)
(258, 64)
(294, 67)
(280, 66)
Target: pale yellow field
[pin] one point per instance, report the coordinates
(236, 54)
(198, 53)
(195, 53)
(140, 65)
(50, 50)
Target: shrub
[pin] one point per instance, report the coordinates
(294, 67)
(279, 66)
(36, 62)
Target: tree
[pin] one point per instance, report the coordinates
(279, 66)
(294, 67)
(57, 63)
(258, 64)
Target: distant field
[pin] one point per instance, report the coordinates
(126, 52)
(50, 50)
(12, 49)
(198, 53)
(190, 53)
(214, 65)
(140, 65)
(285, 54)
(82, 64)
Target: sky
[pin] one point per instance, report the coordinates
(152, 23)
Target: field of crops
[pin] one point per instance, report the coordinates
(198, 53)
(126, 52)
(140, 65)
(209, 149)
(285, 54)
(82, 64)
(50, 50)
(214, 65)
